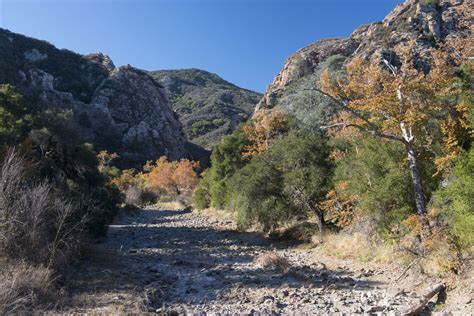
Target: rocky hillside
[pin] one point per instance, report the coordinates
(208, 106)
(426, 22)
(120, 109)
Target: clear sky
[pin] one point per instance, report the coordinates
(244, 41)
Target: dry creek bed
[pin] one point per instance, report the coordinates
(180, 262)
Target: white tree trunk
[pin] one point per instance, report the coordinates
(415, 172)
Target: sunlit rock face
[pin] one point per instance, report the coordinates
(426, 23)
(119, 109)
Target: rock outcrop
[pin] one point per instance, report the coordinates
(304, 62)
(425, 22)
(119, 109)
(140, 114)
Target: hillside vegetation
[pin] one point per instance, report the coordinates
(361, 147)
(360, 152)
(208, 106)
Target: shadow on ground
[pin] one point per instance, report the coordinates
(181, 258)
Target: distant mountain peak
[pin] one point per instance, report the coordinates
(208, 106)
(425, 22)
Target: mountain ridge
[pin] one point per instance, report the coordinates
(105, 100)
(425, 22)
(209, 107)
(120, 109)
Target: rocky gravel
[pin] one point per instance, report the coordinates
(180, 262)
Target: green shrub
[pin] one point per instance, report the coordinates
(376, 174)
(256, 194)
(226, 159)
(286, 182)
(202, 195)
(456, 200)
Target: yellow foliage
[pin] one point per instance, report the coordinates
(265, 126)
(391, 101)
(340, 206)
(105, 159)
(414, 224)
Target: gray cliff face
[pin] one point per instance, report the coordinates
(425, 22)
(119, 109)
(140, 114)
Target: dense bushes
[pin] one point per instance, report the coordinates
(226, 159)
(202, 195)
(256, 193)
(160, 181)
(285, 182)
(52, 199)
(276, 169)
(37, 223)
(376, 177)
(455, 201)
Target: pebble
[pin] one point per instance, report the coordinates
(200, 267)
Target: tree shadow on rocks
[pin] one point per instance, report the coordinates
(181, 260)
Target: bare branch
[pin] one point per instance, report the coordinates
(365, 130)
(373, 130)
(392, 68)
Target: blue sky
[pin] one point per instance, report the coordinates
(244, 41)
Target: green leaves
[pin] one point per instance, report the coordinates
(285, 182)
(456, 200)
(14, 118)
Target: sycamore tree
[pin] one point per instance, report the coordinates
(262, 130)
(403, 104)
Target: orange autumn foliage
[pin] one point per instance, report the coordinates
(124, 180)
(265, 126)
(185, 176)
(160, 174)
(340, 206)
(171, 176)
(382, 102)
(404, 104)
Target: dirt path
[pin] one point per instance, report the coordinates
(179, 261)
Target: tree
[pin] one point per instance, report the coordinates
(171, 177)
(401, 104)
(288, 181)
(160, 175)
(256, 194)
(185, 176)
(125, 180)
(371, 178)
(303, 159)
(226, 160)
(264, 127)
(202, 194)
